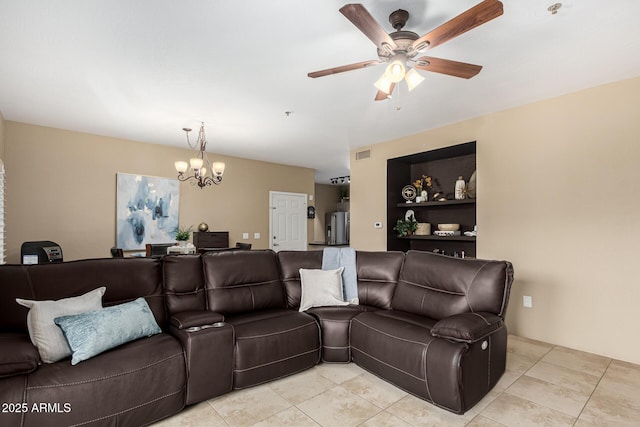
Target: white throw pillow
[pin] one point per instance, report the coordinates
(44, 333)
(321, 288)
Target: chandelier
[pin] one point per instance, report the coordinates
(202, 171)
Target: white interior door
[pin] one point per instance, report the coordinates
(288, 221)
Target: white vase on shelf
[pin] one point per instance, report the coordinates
(459, 189)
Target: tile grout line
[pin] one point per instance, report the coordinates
(600, 378)
(224, 420)
(522, 375)
(502, 392)
(593, 391)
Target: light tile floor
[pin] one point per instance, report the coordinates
(543, 385)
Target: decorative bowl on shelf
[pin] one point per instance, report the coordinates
(448, 227)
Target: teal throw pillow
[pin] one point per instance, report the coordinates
(94, 332)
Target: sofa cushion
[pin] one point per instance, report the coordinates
(94, 332)
(134, 384)
(438, 286)
(44, 333)
(125, 279)
(273, 343)
(242, 281)
(398, 347)
(321, 288)
(393, 344)
(378, 274)
(15, 283)
(290, 263)
(183, 283)
(17, 355)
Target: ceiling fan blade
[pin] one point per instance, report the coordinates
(381, 96)
(361, 18)
(447, 66)
(472, 18)
(342, 69)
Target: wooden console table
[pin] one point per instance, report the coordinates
(211, 239)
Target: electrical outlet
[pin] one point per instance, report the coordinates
(256, 236)
(377, 224)
(527, 301)
(245, 236)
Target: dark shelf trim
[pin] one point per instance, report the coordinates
(447, 238)
(431, 204)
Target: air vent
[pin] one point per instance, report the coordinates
(365, 154)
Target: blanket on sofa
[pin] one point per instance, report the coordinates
(334, 258)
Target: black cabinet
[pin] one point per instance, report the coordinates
(443, 165)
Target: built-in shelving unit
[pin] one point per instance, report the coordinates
(444, 165)
(441, 238)
(443, 203)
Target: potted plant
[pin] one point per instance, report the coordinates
(406, 227)
(183, 234)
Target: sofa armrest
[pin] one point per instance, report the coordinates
(208, 345)
(467, 327)
(189, 319)
(17, 355)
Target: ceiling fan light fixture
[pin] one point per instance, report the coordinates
(397, 68)
(399, 49)
(421, 47)
(384, 84)
(386, 47)
(413, 79)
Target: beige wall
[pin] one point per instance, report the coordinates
(558, 195)
(61, 186)
(326, 198)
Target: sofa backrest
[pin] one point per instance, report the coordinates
(125, 279)
(290, 263)
(438, 286)
(183, 283)
(242, 281)
(377, 275)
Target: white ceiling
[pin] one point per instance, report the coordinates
(142, 70)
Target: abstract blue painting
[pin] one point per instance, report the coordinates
(147, 210)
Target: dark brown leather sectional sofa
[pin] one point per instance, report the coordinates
(430, 324)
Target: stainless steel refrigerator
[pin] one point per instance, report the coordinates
(337, 228)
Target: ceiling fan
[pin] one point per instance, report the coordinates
(400, 49)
